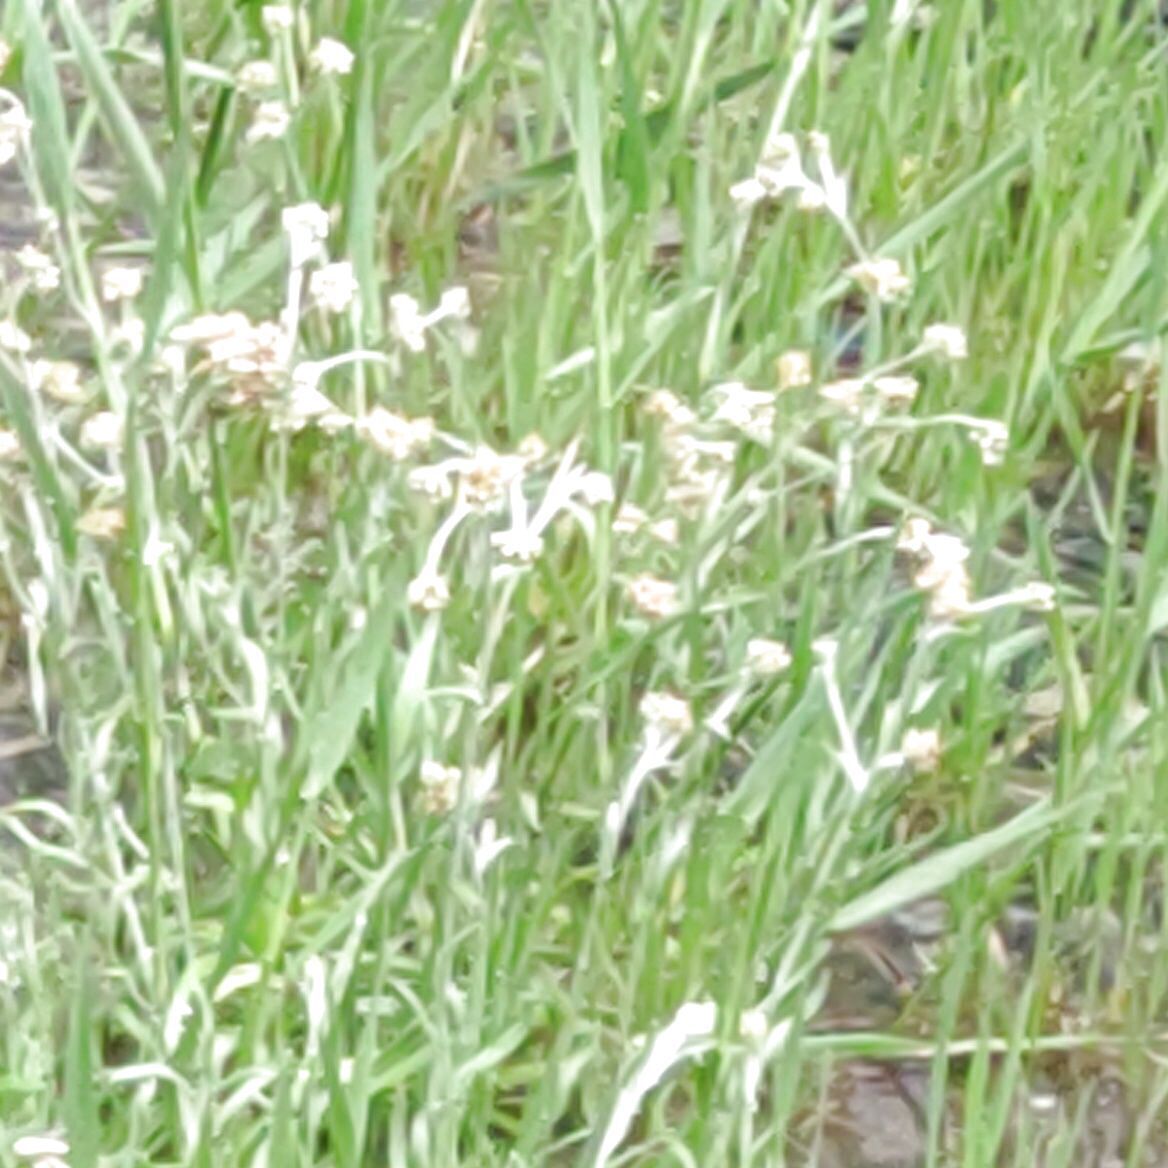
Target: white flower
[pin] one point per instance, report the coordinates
(766, 657)
(14, 338)
(753, 1025)
(454, 302)
(665, 404)
(794, 369)
(9, 445)
(747, 193)
(992, 439)
(880, 276)
(102, 431)
(46, 276)
(748, 410)
(333, 287)
(653, 597)
(846, 394)
(532, 449)
(307, 227)
(306, 404)
(395, 435)
(15, 127)
(666, 713)
(518, 543)
(812, 198)
(440, 786)
(666, 530)
(121, 284)
(276, 18)
(407, 322)
(330, 56)
(1037, 595)
(487, 476)
(257, 76)
(629, 519)
(896, 389)
(596, 488)
(921, 749)
(269, 122)
(428, 591)
(780, 169)
(946, 339)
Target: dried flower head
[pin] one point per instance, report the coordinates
(794, 369)
(440, 787)
(257, 76)
(766, 657)
(269, 122)
(666, 713)
(921, 750)
(946, 339)
(397, 436)
(653, 597)
(882, 277)
(46, 276)
(333, 287)
(121, 283)
(331, 57)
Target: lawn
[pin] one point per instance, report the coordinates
(583, 583)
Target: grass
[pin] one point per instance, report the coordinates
(343, 879)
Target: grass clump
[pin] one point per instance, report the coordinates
(597, 578)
